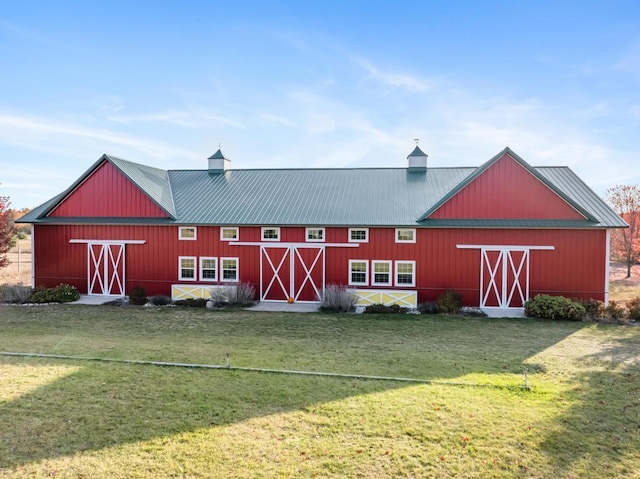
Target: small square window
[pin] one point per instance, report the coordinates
(405, 273)
(315, 235)
(208, 269)
(381, 274)
(271, 234)
(358, 235)
(358, 272)
(228, 233)
(187, 233)
(229, 269)
(187, 268)
(405, 235)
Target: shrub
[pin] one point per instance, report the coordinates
(450, 302)
(614, 311)
(14, 294)
(383, 309)
(21, 235)
(634, 308)
(191, 303)
(545, 306)
(160, 300)
(63, 293)
(430, 307)
(594, 309)
(138, 296)
(242, 294)
(338, 298)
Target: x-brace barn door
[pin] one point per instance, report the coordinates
(296, 272)
(504, 278)
(106, 269)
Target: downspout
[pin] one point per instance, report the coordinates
(33, 256)
(606, 267)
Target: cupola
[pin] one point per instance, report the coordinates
(417, 159)
(218, 163)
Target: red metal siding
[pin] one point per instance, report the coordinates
(107, 192)
(576, 268)
(506, 191)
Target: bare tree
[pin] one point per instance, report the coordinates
(625, 243)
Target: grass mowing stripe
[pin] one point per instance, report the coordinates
(263, 370)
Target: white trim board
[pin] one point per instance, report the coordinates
(86, 241)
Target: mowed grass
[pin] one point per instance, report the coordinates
(89, 419)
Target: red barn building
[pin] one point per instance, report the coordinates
(499, 233)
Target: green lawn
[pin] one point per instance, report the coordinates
(62, 418)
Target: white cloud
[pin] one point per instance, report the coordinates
(403, 81)
(76, 140)
(190, 119)
(277, 119)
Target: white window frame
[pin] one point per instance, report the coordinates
(373, 272)
(398, 240)
(366, 272)
(180, 268)
(222, 230)
(185, 228)
(413, 274)
(222, 270)
(265, 228)
(206, 258)
(366, 235)
(312, 240)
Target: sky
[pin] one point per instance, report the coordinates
(346, 84)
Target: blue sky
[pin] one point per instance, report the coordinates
(316, 84)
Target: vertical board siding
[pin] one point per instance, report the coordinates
(107, 192)
(575, 268)
(506, 190)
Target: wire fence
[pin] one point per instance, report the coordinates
(19, 268)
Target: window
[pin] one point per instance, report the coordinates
(358, 235)
(315, 234)
(358, 272)
(271, 234)
(381, 274)
(228, 233)
(187, 233)
(187, 268)
(405, 273)
(208, 269)
(229, 268)
(405, 235)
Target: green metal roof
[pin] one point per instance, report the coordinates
(327, 197)
(323, 197)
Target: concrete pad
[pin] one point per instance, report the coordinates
(504, 313)
(282, 307)
(95, 299)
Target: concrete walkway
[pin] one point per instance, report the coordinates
(504, 313)
(273, 306)
(95, 299)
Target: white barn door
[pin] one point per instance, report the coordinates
(504, 278)
(106, 269)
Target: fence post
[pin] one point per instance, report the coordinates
(19, 251)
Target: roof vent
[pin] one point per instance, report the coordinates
(417, 159)
(218, 163)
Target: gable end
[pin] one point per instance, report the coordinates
(105, 191)
(506, 187)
